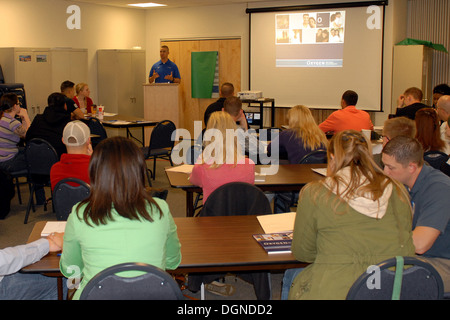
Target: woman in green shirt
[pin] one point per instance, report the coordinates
(354, 218)
(119, 222)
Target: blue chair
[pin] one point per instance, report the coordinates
(66, 193)
(41, 156)
(435, 158)
(153, 284)
(420, 281)
(161, 144)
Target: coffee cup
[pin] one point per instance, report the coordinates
(100, 112)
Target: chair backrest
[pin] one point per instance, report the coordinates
(40, 156)
(66, 194)
(161, 136)
(236, 198)
(96, 128)
(153, 284)
(419, 281)
(435, 158)
(317, 156)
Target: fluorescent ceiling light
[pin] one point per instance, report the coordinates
(147, 5)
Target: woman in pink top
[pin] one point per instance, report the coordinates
(221, 161)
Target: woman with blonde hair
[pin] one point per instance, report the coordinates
(302, 137)
(82, 99)
(428, 130)
(355, 217)
(222, 160)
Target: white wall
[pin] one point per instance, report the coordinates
(32, 23)
(231, 20)
(42, 23)
(197, 22)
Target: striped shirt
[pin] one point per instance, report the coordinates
(8, 138)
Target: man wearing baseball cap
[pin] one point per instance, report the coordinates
(74, 163)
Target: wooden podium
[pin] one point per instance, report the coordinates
(162, 102)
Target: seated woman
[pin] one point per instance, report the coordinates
(119, 222)
(12, 158)
(428, 130)
(82, 99)
(354, 218)
(221, 161)
(302, 137)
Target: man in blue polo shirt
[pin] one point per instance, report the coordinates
(164, 71)
(429, 190)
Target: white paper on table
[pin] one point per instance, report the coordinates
(185, 168)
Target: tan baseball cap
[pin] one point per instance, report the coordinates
(76, 134)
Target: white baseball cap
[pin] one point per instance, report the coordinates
(76, 133)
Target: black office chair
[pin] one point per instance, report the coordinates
(419, 281)
(153, 284)
(66, 194)
(161, 144)
(316, 156)
(233, 199)
(435, 158)
(41, 156)
(445, 168)
(16, 88)
(97, 129)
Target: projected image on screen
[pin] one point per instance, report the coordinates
(310, 39)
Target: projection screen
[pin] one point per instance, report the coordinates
(310, 55)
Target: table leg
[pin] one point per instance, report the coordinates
(60, 288)
(189, 204)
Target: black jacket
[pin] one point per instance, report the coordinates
(50, 126)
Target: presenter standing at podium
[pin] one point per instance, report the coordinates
(164, 71)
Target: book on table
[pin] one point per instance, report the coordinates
(277, 236)
(275, 242)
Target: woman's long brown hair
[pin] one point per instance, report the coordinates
(117, 177)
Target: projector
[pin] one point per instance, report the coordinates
(250, 95)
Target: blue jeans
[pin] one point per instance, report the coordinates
(289, 276)
(30, 286)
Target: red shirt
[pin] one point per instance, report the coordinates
(70, 166)
(346, 119)
(89, 103)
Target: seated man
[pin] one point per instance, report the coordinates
(28, 286)
(68, 89)
(74, 163)
(439, 91)
(50, 124)
(429, 189)
(249, 143)
(443, 110)
(392, 128)
(409, 102)
(226, 90)
(348, 117)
